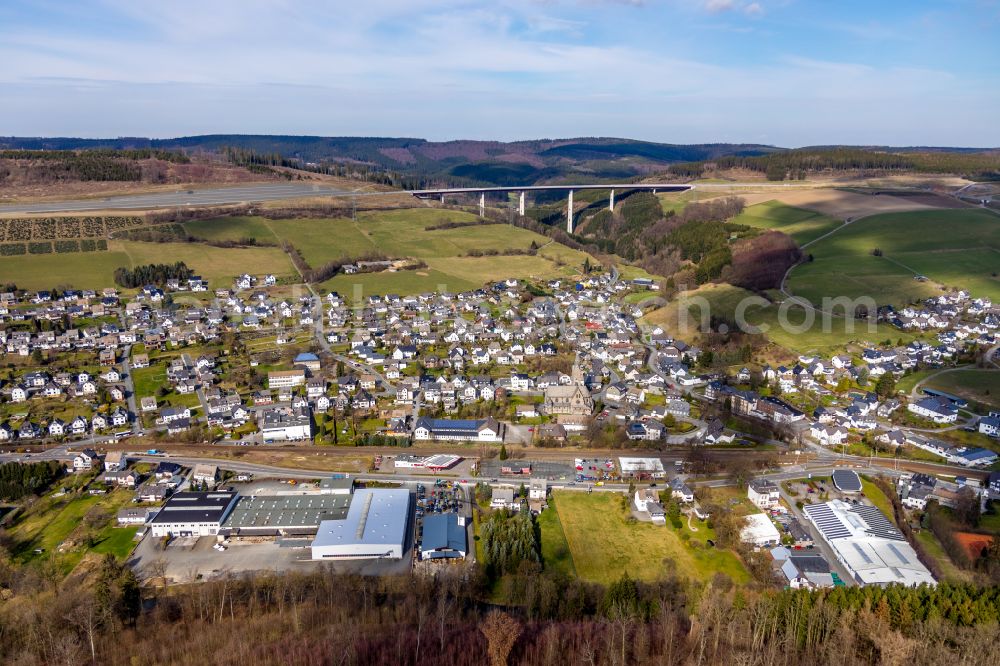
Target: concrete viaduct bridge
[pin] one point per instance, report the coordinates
(522, 189)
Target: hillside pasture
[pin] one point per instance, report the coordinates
(974, 384)
(957, 248)
(722, 300)
(82, 270)
(835, 202)
(801, 224)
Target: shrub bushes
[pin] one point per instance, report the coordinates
(12, 249)
(40, 248)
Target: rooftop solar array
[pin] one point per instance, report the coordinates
(878, 524)
(827, 521)
(847, 480)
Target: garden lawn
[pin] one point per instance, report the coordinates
(604, 545)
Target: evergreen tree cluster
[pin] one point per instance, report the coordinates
(508, 540)
(18, 480)
(156, 274)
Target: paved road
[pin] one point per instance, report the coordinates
(272, 192)
(182, 197)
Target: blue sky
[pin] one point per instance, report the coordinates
(784, 72)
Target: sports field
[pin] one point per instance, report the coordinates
(801, 224)
(603, 545)
(954, 248)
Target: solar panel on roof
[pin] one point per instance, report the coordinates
(847, 480)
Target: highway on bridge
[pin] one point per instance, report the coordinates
(219, 196)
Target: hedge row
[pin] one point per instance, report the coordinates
(63, 246)
(42, 247)
(92, 245)
(12, 249)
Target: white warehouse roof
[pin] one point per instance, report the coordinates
(634, 465)
(375, 527)
(870, 546)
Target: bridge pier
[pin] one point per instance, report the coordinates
(569, 213)
(611, 202)
(442, 198)
(520, 205)
(482, 204)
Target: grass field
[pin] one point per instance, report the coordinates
(93, 270)
(83, 270)
(877, 497)
(51, 520)
(973, 384)
(603, 545)
(957, 248)
(217, 265)
(723, 300)
(403, 233)
(801, 224)
(556, 555)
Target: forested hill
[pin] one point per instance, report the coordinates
(432, 162)
(418, 162)
(975, 164)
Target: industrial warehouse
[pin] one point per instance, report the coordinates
(867, 544)
(284, 515)
(375, 527)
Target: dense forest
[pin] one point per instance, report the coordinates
(326, 618)
(89, 165)
(695, 244)
(797, 164)
(19, 480)
(156, 274)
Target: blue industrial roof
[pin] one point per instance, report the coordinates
(443, 533)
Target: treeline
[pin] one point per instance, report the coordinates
(441, 226)
(508, 252)
(326, 618)
(175, 233)
(127, 154)
(158, 274)
(332, 268)
(795, 164)
(263, 162)
(92, 165)
(18, 480)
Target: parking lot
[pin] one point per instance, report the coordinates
(440, 497)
